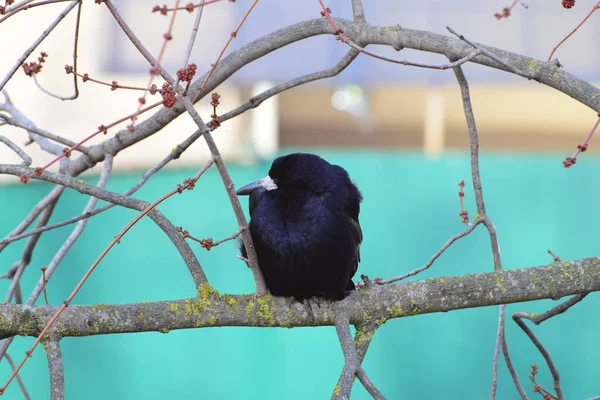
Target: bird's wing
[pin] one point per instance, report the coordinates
(352, 209)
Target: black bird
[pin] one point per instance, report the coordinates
(304, 224)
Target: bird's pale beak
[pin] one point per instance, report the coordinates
(265, 183)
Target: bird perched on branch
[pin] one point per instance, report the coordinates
(304, 225)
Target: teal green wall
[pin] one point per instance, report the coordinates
(410, 210)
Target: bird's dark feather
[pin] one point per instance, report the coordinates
(306, 232)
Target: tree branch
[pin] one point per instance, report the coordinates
(352, 365)
(259, 279)
(518, 318)
(55, 365)
(366, 306)
(83, 187)
(26, 159)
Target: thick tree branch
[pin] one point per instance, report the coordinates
(368, 305)
(546, 73)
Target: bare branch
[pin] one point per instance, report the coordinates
(387, 302)
(188, 50)
(37, 42)
(500, 341)
(174, 154)
(352, 365)
(494, 57)
(434, 257)
(28, 251)
(164, 223)
(518, 318)
(559, 309)
(55, 365)
(136, 42)
(457, 63)
(26, 159)
(19, 380)
(258, 99)
(30, 127)
(597, 6)
(34, 213)
(358, 11)
(474, 147)
(231, 37)
(511, 369)
(26, 123)
(259, 280)
(70, 241)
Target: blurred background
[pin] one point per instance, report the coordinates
(401, 134)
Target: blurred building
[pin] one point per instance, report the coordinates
(372, 103)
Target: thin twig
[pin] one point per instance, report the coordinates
(45, 283)
(597, 6)
(82, 187)
(75, 50)
(193, 34)
(474, 147)
(188, 184)
(556, 258)
(518, 318)
(260, 98)
(581, 147)
(33, 214)
(556, 310)
(136, 42)
(230, 237)
(37, 42)
(187, 7)
(499, 344)
(20, 118)
(208, 243)
(481, 212)
(174, 154)
(64, 153)
(494, 57)
(434, 257)
(15, 10)
(463, 60)
(231, 37)
(70, 241)
(28, 251)
(156, 66)
(512, 371)
(32, 128)
(19, 380)
(259, 279)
